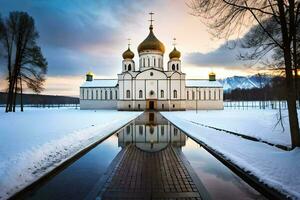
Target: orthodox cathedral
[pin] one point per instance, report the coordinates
(150, 85)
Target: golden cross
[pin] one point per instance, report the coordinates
(129, 42)
(151, 20)
(174, 42)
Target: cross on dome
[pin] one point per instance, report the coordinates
(174, 42)
(151, 19)
(129, 42)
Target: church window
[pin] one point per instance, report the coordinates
(162, 106)
(140, 94)
(148, 62)
(129, 67)
(143, 62)
(127, 93)
(151, 130)
(215, 95)
(173, 67)
(175, 131)
(187, 95)
(158, 62)
(177, 66)
(204, 95)
(100, 94)
(105, 95)
(110, 95)
(209, 95)
(116, 94)
(125, 67)
(129, 106)
(219, 94)
(97, 94)
(173, 105)
(199, 95)
(151, 73)
(162, 94)
(141, 130)
(175, 94)
(128, 129)
(151, 92)
(139, 106)
(154, 61)
(193, 95)
(162, 130)
(92, 94)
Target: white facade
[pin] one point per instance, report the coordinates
(151, 85)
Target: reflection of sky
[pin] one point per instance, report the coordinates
(77, 36)
(220, 182)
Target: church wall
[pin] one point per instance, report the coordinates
(98, 104)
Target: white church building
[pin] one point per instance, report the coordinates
(149, 85)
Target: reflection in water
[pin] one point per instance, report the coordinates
(149, 132)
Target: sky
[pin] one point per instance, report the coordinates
(78, 36)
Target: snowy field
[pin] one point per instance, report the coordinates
(36, 141)
(275, 167)
(257, 123)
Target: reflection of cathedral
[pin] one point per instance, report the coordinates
(151, 84)
(153, 136)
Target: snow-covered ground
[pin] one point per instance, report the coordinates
(257, 123)
(34, 142)
(273, 166)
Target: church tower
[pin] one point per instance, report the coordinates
(174, 63)
(151, 51)
(128, 62)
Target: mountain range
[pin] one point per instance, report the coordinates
(245, 82)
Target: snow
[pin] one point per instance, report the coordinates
(36, 141)
(257, 123)
(275, 167)
(101, 83)
(202, 83)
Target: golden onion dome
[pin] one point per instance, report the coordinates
(151, 43)
(90, 73)
(128, 54)
(175, 53)
(211, 74)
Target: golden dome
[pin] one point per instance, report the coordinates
(211, 74)
(128, 54)
(90, 73)
(151, 43)
(175, 53)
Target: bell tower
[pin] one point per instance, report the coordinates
(174, 63)
(128, 62)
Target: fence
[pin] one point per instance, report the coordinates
(257, 104)
(47, 105)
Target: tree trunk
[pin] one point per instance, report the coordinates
(290, 87)
(21, 93)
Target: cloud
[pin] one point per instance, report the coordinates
(224, 56)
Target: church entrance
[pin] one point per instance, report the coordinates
(151, 105)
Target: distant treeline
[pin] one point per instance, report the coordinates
(41, 99)
(275, 90)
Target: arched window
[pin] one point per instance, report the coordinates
(128, 129)
(128, 94)
(220, 94)
(173, 67)
(87, 94)
(139, 106)
(101, 94)
(204, 98)
(110, 95)
(158, 62)
(162, 94)
(129, 67)
(175, 131)
(105, 95)
(140, 94)
(209, 95)
(199, 95)
(177, 66)
(125, 67)
(193, 95)
(215, 95)
(144, 62)
(187, 95)
(148, 62)
(175, 94)
(92, 94)
(162, 130)
(154, 61)
(116, 94)
(141, 129)
(96, 94)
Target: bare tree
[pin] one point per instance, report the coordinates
(25, 61)
(279, 23)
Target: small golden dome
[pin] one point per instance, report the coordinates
(175, 53)
(128, 54)
(151, 43)
(90, 73)
(211, 74)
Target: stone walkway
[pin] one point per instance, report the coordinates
(144, 175)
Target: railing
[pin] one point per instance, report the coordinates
(257, 104)
(47, 105)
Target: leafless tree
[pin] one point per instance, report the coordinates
(278, 22)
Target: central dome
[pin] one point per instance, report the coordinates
(151, 43)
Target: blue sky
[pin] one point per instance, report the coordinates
(77, 36)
